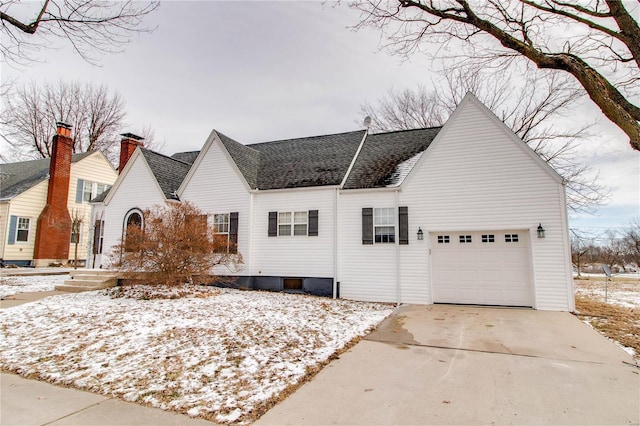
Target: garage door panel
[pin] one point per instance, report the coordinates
(491, 273)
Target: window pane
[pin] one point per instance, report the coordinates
(300, 217)
(284, 229)
(384, 234)
(383, 216)
(221, 223)
(284, 217)
(300, 229)
(86, 190)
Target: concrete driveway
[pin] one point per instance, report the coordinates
(445, 364)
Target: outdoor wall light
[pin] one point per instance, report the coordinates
(420, 234)
(540, 231)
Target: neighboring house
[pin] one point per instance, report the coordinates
(25, 188)
(466, 213)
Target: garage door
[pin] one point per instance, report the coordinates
(481, 268)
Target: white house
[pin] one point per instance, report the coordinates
(466, 213)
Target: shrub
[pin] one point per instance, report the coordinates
(173, 245)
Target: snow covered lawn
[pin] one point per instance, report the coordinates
(17, 284)
(618, 317)
(225, 355)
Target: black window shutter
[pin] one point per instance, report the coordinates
(367, 225)
(313, 223)
(403, 223)
(233, 232)
(273, 224)
(96, 237)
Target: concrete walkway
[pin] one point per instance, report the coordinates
(434, 365)
(30, 402)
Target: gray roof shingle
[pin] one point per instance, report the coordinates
(385, 160)
(304, 162)
(187, 157)
(376, 165)
(169, 172)
(16, 178)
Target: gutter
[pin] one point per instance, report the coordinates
(397, 244)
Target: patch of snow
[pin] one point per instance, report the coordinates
(12, 285)
(219, 354)
(401, 170)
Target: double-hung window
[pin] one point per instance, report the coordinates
(225, 227)
(300, 223)
(88, 190)
(384, 224)
(221, 229)
(22, 233)
(292, 223)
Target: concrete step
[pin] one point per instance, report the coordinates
(77, 288)
(89, 280)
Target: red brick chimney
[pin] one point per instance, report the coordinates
(53, 233)
(128, 144)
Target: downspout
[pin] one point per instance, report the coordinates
(336, 242)
(397, 247)
(251, 268)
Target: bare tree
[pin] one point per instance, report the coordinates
(95, 113)
(631, 234)
(581, 246)
(612, 250)
(595, 43)
(77, 219)
(91, 27)
(530, 110)
(175, 245)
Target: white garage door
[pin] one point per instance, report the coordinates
(481, 268)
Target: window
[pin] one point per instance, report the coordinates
(384, 225)
(488, 238)
(88, 190)
(221, 230)
(510, 238)
(465, 239)
(301, 223)
(133, 219)
(22, 233)
(292, 223)
(443, 239)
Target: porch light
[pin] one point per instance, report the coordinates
(540, 231)
(420, 234)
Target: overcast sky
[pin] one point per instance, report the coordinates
(260, 71)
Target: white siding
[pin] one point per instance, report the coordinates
(294, 256)
(216, 187)
(367, 272)
(138, 189)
